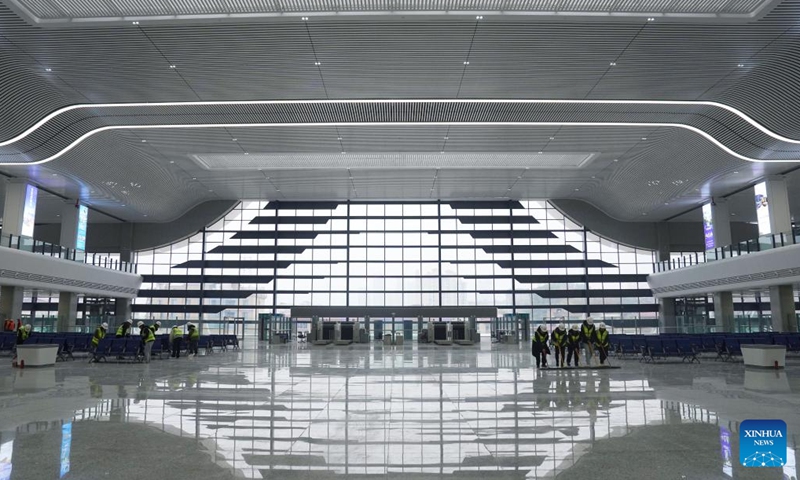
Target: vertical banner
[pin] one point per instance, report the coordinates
(708, 226)
(83, 218)
(66, 446)
(762, 209)
(726, 452)
(29, 210)
(6, 450)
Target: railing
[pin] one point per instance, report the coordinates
(760, 244)
(28, 244)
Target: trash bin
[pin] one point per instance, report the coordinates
(398, 338)
(387, 338)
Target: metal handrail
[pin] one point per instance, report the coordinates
(28, 244)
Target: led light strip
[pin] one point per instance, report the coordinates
(709, 137)
(371, 124)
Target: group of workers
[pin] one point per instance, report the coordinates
(147, 333)
(586, 338)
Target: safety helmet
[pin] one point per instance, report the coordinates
(541, 327)
(601, 325)
(127, 321)
(561, 326)
(590, 321)
(139, 323)
(104, 325)
(574, 327)
(190, 325)
(28, 327)
(158, 323)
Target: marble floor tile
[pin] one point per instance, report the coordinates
(368, 412)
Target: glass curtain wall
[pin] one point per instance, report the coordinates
(523, 257)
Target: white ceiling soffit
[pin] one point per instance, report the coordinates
(77, 12)
(261, 161)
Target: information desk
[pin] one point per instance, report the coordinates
(769, 356)
(37, 355)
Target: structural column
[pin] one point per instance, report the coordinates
(721, 231)
(667, 322)
(781, 297)
(19, 214)
(70, 231)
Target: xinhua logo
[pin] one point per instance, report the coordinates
(762, 443)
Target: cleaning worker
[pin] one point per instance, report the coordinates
(23, 334)
(587, 339)
(601, 343)
(573, 345)
(539, 346)
(148, 339)
(176, 341)
(559, 342)
(99, 334)
(124, 330)
(194, 339)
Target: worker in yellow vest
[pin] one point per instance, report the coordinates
(148, 339)
(194, 339)
(176, 341)
(601, 343)
(99, 334)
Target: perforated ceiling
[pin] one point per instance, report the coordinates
(659, 171)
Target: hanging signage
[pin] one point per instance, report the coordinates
(708, 226)
(83, 218)
(762, 209)
(29, 210)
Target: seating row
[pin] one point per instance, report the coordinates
(70, 343)
(725, 346)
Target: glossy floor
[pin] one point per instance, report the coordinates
(387, 412)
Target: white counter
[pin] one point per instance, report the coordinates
(768, 356)
(37, 355)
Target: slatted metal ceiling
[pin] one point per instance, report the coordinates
(393, 57)
(114, 9)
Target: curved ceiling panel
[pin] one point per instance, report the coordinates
(725, 127)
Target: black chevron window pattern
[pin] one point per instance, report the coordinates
(518, 256)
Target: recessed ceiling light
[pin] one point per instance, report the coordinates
(194, 178)
(247, 153)
(616, 159)
(317, 63)
(135, 23)
(233, 139)
(122, 205)
(55, 174)
(447, 138)
(305, 19)
(277, 189)
(644, 213)
(740, 65)
(644, 138)
(466, 63)
(552, 138)
(57, 215)
(210, 190)
(343, 153)
(172, 66)
(479, 17)
(651, 19)
(172, 161)
(666, 203)
(593, 177)
(577, 189)
(519, 177)
(735, 172)
(508, 190)
(613, 64)
(48, 69)
(733, 214)
(441, 152)
(338, 138)
(144, 141)
(145, 214)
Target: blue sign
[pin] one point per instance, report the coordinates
(29, 210)
(66, 445)
(762, 443)
(83, 219)
(726, 451)
(708, 226)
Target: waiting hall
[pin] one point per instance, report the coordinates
(403, 240)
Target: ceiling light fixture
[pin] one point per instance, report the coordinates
(339, 138)
(735, 172)
(740, 65)
(144, 141)
(616, 159)
(577, 189)
(344, 153)
(233, 139)
(48, 69)
(552, 138)
(247, 153)
(135, 23)
(466, 63)
(317, 63)
(651, 19)
(172, 66)
(613, 64)
(479, 17)
(305, 19)
(644, 138)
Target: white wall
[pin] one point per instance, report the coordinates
(32, 270)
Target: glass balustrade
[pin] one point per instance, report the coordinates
(28, 244)
(760, 244)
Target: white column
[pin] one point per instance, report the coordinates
(721, 222)
(780, 217)
(18, 194)
(69, 224)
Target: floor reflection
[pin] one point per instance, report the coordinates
(317, 413)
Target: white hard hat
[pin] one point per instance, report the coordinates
(104, 325)
(541, 327)
(574, 327)
(190, 324)
(139, 323)
(601, 325)
(28, 327)
(561, 326)
(589, 321)
(158, 323)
